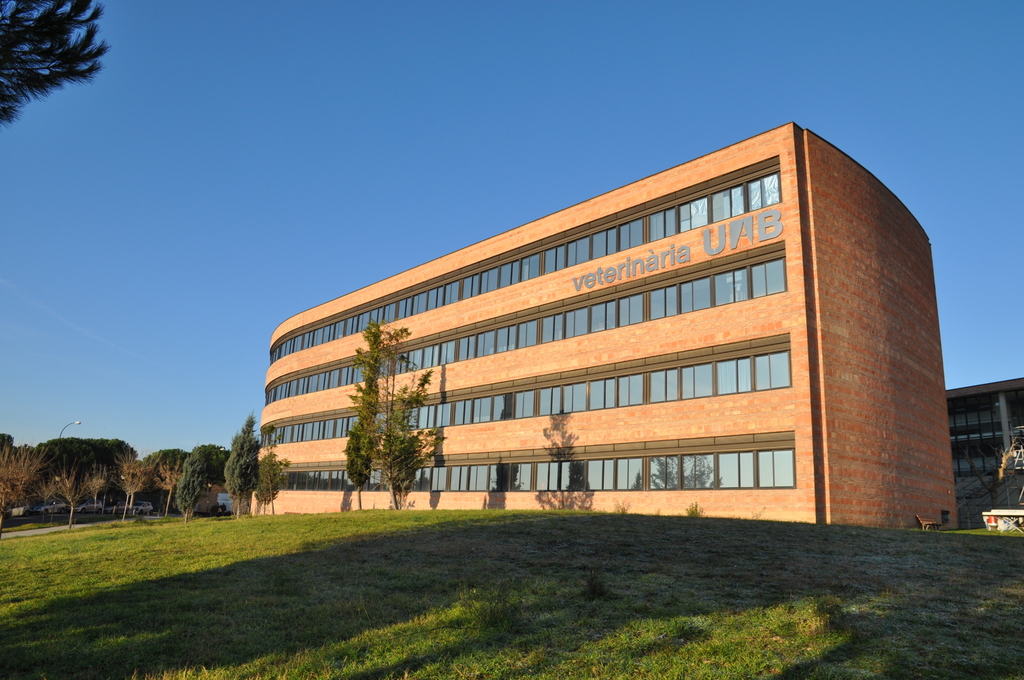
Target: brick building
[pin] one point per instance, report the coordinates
(754, 331)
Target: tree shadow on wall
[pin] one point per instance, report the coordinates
(563, 475)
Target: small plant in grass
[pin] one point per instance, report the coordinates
(622, 507)
(594, 588)
(694, 510)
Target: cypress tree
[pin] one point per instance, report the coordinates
(192, 485)
(242, 471)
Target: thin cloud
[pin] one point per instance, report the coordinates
(16, 291)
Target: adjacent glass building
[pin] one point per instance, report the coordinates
(754, 331)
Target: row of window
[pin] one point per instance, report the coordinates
(741, 470)
(764, 372)
(712, 291)
(719, 206)
(314, 383)
(748, 374)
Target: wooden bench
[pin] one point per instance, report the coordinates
(927, 524)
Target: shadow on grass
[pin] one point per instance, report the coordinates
(897, 603)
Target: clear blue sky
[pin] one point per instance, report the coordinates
(236, 163)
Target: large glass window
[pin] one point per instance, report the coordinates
(554, 259)
(772, 371)
(574, 398)
(776, 468)
(665, 385)
(486, 344)
(663, 224)
(600, 475)
(530, 267)
(527, 336)
(550, 401)
(698, 381)
(551, 328)
(631, 390)
(578, 251)
(664, 473)
(664, 302)
(508, 274)
(439, 479)
(605, 242)
(699, 472)
(576, 322)
(631, 310)
(735, 470)
(524, 404)
(519, 476)
(631, 235)
(602, 394)
(506, 339)
(695, 295)
(768, 278)
(602, 316)
(630, 474)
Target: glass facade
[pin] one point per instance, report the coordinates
(976, 428)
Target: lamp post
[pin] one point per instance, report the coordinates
(77, 422)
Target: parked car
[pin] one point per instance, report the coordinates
(18, 509)
(142, 508)
(115, 509)
(90, 506)
(49, 508)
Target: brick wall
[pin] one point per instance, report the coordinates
(885, 448)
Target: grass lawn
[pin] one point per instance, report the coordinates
(501, 594)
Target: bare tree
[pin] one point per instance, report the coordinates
(166, 476)
(96, 482)
(133, 476)
(19, 469)
(46, 489)
(994, 482)
(68, 487)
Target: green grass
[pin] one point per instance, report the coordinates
(496, 594)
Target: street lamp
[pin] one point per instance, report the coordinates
(77, 422)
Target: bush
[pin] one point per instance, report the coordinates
(694, 510)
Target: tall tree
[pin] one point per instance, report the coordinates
(19, 470)
(358, 465)
(387, 407)
(44, 45)
(96, 482)
(215, 457)
(192, 484)
(241, 472)
(166, 475)
(69, 488)
(273, 476)
(133, 476)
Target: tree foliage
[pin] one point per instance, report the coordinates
(273, 476)
(165, 476)
(386, 407)
(44, 45)
(358, 464)
(19, 470)
(171, 457)
(241, 472)
(215, 458)
(192, 484)
(83, 453)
